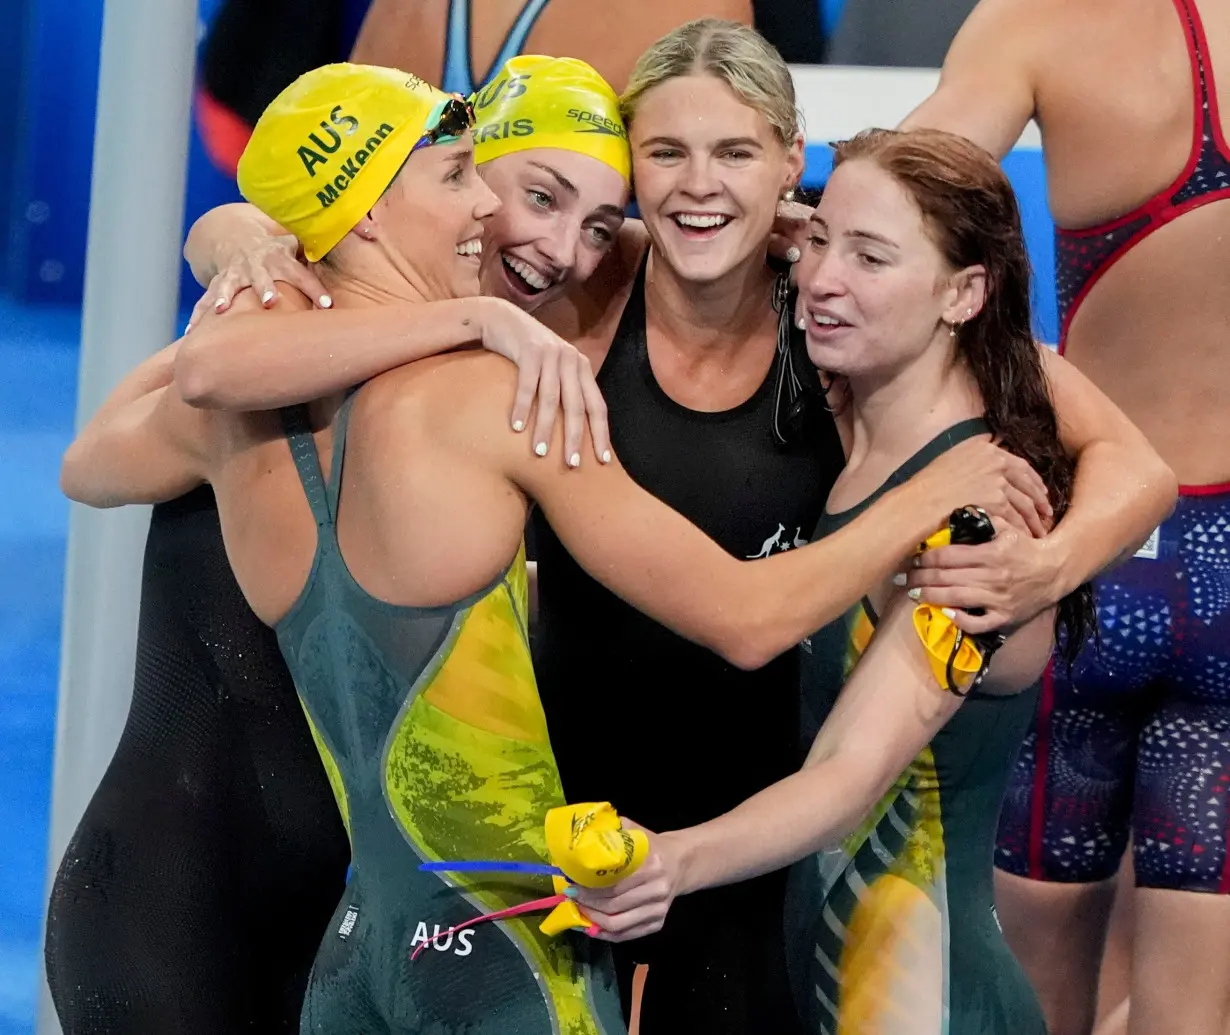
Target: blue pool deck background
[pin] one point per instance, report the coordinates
(38, 378)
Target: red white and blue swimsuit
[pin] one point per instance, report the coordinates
(1136, 738)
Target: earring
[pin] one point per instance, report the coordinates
(952, 329)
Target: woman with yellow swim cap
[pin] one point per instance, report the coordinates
(203, 654)
(550, 142)
(709, 394)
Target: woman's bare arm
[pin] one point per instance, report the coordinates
(888, 711)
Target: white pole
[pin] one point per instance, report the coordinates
(131, 289)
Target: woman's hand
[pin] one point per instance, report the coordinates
(551, 372)
(980, 473)
(789, 234)
(1013, 578)
(638, 905)
(258, 264)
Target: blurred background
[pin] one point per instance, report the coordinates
(247, 50)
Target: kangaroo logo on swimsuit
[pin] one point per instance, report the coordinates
(776, 542)
(442, 942)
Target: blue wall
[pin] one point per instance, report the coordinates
(49, 177)
(12, 62)
(48, 171)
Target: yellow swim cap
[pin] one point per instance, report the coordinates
(329, 145)
(550, 102)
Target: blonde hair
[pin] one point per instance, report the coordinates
(729, 51)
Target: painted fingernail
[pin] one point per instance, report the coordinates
(266, 298)
(792, 254)
(801, 323)
(541, 449)
(326, 302)
(574, 460)
(606, 456)
(518, 425)
(948, 612)
(219, 304)
(570, 891)
(914, 594)
(899, 579)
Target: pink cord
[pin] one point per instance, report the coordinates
(503, 914)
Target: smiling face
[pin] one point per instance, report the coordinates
(561, 214)
(875, 293)
(431, 218)
(709, 171)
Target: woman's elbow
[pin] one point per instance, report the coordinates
(75, 480)
(194, 377)
(745, 657)
(1162, 488)
(752, 644)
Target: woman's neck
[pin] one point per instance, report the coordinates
(893, 416)
(715, 319)
(370, 284)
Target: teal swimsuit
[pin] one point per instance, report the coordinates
(430, 727)
(895, 930)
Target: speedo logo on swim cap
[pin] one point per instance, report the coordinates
(319, 149)
(597, 123)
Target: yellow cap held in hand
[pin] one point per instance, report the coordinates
(330, 144)
(589, 843)
(939, 635)
(567, 916)
(956, 659)
(537, 101)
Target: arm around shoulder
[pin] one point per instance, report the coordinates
(217, 236)
(746, 611)
(145, 444)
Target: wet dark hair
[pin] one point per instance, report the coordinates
(971, 213)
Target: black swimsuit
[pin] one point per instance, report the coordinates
(195, 891)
